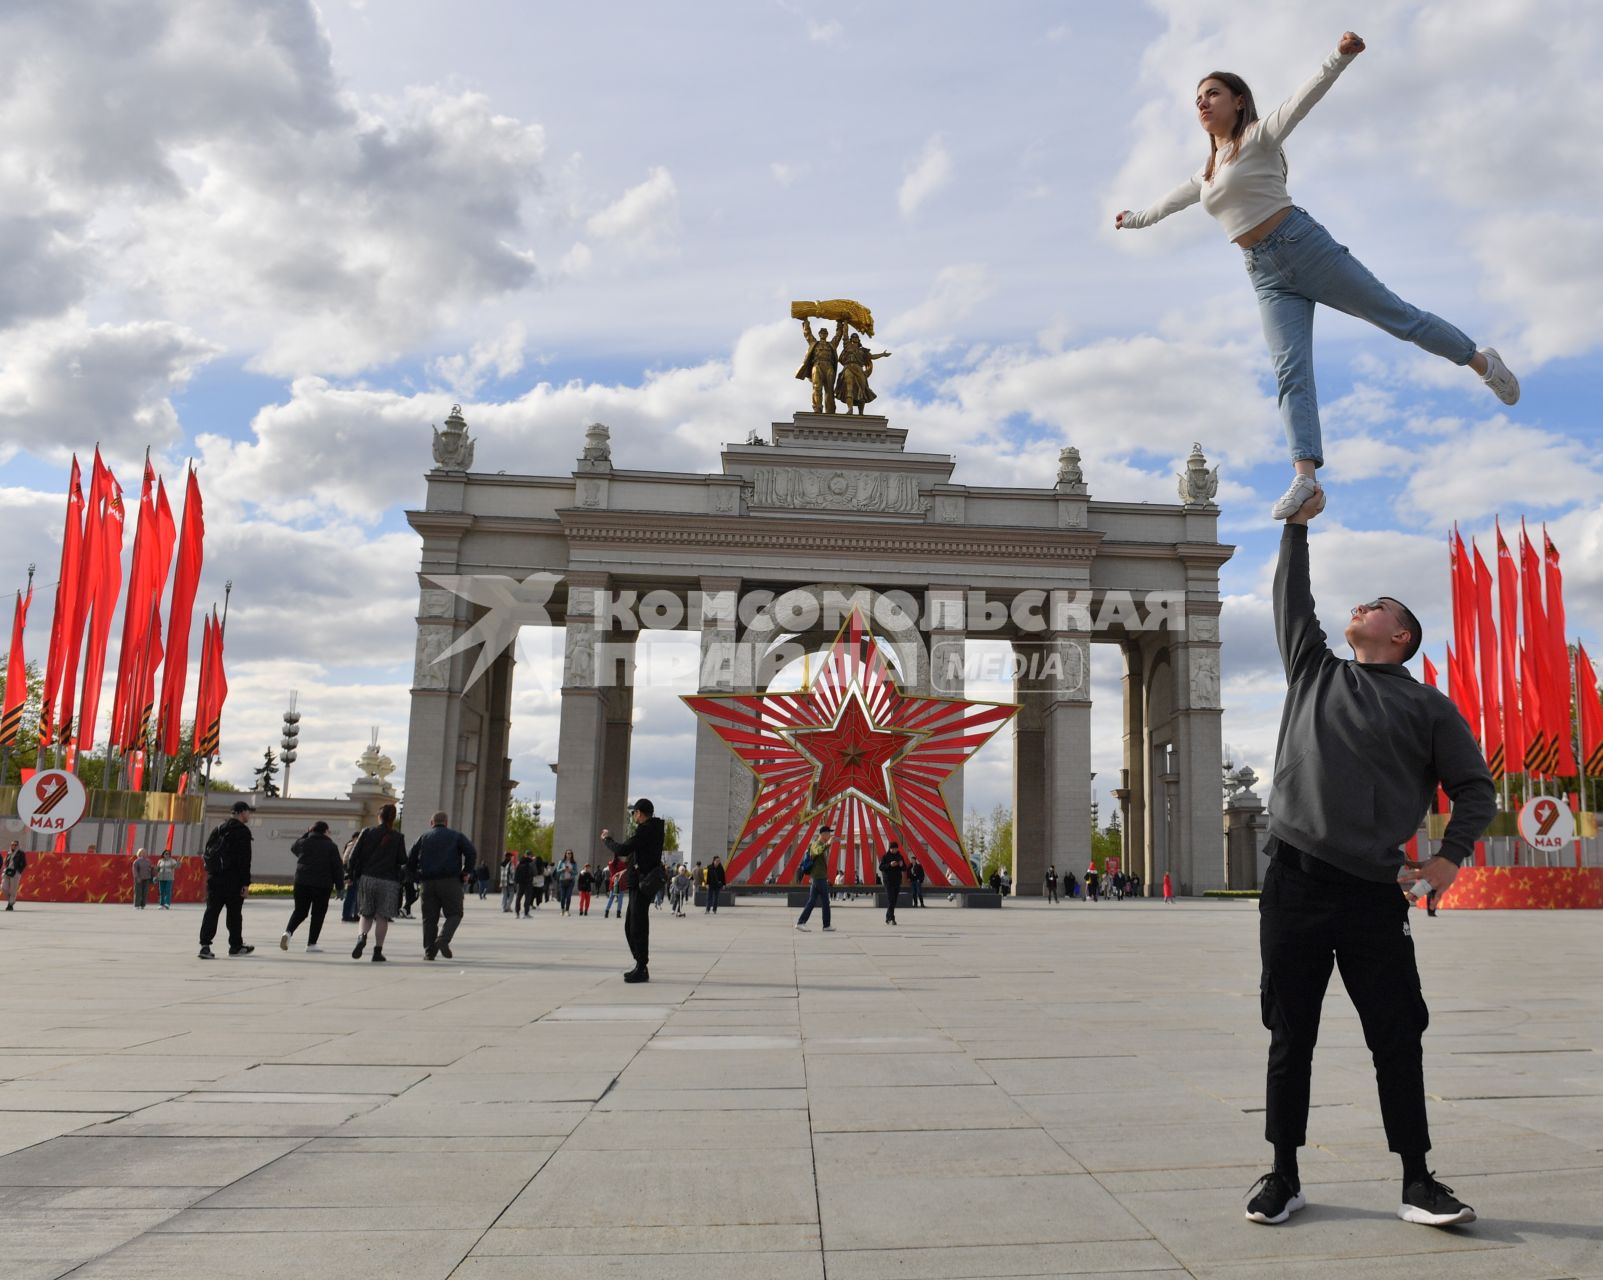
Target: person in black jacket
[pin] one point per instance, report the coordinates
(318, 873)
(16, 862)
(228, 881)
(442, 860)
(523, 877)
(915, 881)
(643, 850)
(377, 864)
(717, 878)
(891, 867)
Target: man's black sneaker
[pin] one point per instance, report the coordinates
(206, 953)
(445, 951)
(428, 953)
(240, 951)
(361, 945)
(1433, 1204)
(1277, 1200)
(637, 975)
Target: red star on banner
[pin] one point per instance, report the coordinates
(856, 753)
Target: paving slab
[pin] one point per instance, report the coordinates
(1033, 1092)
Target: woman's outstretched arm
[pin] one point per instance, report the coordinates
(1275, 126)
(1187, 193)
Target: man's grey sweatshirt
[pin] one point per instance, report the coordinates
(1363, 746)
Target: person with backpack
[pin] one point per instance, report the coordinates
(228, 881)
(815, 866)
(442, 860)
(644, 869)
(318, 873)
(377, 864)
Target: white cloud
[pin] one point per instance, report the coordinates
(824, 32)
(63, 379)
(642, 216)
(926, 175)
(464, 374)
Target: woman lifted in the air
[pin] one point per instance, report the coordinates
(1293, 261)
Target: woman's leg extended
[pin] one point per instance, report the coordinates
(1288, 328)
(1340, 281)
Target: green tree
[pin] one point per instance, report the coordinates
(670, 836)
(265, 773)
(25, 750)
(999, 843)
(527, 829)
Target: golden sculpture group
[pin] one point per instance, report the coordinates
(838, 366)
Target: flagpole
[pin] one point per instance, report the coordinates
(206, 786)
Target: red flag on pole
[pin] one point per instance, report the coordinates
(1586, 693)
(1558, 692)
(66, 599)
(166, 535)
(1464, 633)
(191, 556)
(1590, 715)
(1431, 677)
(136, 614)
(15, 700)
(1491, 713)
(84, 597)
(1508, 587)
(202, 686)
(107, 572)
(1533, 655)
(1455, 686)
(217, 679)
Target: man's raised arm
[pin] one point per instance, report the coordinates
(1302, 641)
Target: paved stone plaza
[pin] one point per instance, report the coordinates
(1037, 1091)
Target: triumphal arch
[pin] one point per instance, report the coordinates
(829, 541)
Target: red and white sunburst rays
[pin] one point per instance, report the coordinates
(856, 753)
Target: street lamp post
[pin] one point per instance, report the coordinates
(289, 743)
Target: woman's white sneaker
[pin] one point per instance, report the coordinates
(1302, 488)
(1505, 386)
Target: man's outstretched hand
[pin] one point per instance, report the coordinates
(1309, 509)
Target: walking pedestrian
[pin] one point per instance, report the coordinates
(319, 872)
(1052, 884)
(567, 877)
(378, 863)
(915, 881)
(1366, 747)
(642, 852)
(587, 884)
(1093, 883)
(509, 881)
(716, 879)
(144, 872)
(891, 867)
(1168, 889)
(524, 876)
(11, 875)
(348, 907)
(442, 861)
(228, 880)
(166, 873)
(613, 874)
(684, 889)
(1293, 261)
(1071, 885)
(815, 866)
(481, 878)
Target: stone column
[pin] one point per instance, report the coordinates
(719, 786)
(1134, 803)
(1245, 829)
(433, 743)
(581, 733)
(1029, 785)
(946, 673)
(491, 781)
(617, 734)
(1068, 762)
(1198, 740)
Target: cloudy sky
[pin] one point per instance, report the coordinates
(281, 238)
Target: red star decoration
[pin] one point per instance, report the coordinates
(853, 754)
(856, 753)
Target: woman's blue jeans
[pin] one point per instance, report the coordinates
(1299, 264)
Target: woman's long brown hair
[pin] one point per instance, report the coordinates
(1249, 113)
